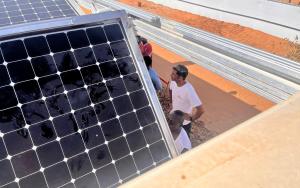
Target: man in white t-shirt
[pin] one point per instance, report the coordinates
(184, 97)
(181, 139)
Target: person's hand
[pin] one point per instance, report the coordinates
(187, 116)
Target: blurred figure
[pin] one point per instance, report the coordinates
(154, 76)
(182, 141)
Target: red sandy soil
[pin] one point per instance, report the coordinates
(231, 31)
(293, 2)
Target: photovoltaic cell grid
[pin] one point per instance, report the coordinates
(20, 11)
(73, 111)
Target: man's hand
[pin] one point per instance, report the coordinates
(198, 113)
(187, 116)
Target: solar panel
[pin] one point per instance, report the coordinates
(20, 11)
(74, 108)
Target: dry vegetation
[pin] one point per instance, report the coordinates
(294, 53)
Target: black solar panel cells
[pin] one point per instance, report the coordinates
(45, 129)
(20, 71)
(122, 104)
(58, 105)
(36, 179)
(65, 61)
(100, 156)
(85, 56)
(72, 79)
(8, 176)
(4, 78)
(109, 70)
(11, 119)
(17, 141)
(91, 75)
(103, 53)
(126, 168)
(50, 154)
(7, 97)
(51, 85)
(20, 11)
(107, 176)
(3, 153)
(73, 109)
(1, 58)
(35, 112)
(19, 163)
(9, 50)
(43, 65)
(86, 117)
(36, 46)
(78, 39)
(65, 125)
(126, 66)
(113, 32)
(60, 46)
(93, 137)
(129, 122)
(79, 165)
(57, 175)
(96, 35)
(28, 91)
(112, 129)
(119, 49)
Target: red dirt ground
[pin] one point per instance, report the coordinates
(231, 31)
(293, 2)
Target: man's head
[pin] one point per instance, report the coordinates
(179, 73)
(148, 61)
(144, 40)
(139, 39)
(176, 120)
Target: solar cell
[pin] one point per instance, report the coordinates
(4, 79)
(20, 11)
(74, 110)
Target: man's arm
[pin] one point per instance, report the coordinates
(197, 105)
(197, 115)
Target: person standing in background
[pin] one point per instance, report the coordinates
(153, 74)
(184, 97)
(145, 46)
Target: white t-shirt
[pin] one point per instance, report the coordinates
(184, 98)
(182, 141)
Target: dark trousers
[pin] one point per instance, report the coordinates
(187, 128)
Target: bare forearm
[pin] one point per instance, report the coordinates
(198, 114)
